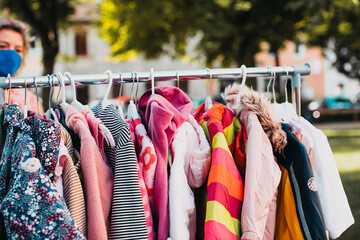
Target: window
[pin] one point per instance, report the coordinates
(81, 44)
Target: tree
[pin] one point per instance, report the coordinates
(44, 17)
(337, 27)
(230, 30)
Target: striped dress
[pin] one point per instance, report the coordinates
(225, 188)
(127, 214)
(73, 192)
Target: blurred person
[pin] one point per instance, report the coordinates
(14, 47)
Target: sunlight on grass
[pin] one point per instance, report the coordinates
(348, 162)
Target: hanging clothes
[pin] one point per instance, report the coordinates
(147, 158)
(263, 174)
(190, 168)
(32, 207)
(295, 161)
(334, 204)
(127, 219)
(98, 177)
(143, 190)
(162, 113)
(225, 188)
(73, 191)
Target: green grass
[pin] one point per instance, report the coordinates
(345, 145)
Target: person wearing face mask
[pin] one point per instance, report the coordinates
(13, 50)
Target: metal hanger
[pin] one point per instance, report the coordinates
(120, 93)
(25, 110)
(37, 95)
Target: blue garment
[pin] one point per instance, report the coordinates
(31, 207)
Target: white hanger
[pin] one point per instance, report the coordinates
(25, 111)
(63, 104)
(208, 101)
(50, 112)
(37, 95)
(105, 101)
(132, 111)
(244, 73)
(120, 104)
(152, 80)
(177, 78)
(278, 110)
(288, 107)
(75, 103)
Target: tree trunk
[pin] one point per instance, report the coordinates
(50, 49)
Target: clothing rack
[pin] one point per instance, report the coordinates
(295, 72)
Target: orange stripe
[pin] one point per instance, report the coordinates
(219, 174)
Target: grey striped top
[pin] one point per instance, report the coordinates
(127, 213)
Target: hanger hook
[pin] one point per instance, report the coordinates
(51, 82)
(152, 79)
(121, 86)
(57, 96)
(137, 87)
(286, 81)
(244, 73)
(110, 80)
(69, 76)
(37, 95)
(210, 78)
(62, 83)
(178, 78)
(268, 86)
(9, 94)
(273, 86)
(132, 85)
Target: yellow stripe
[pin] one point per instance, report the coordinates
(219, 141)
(217, 212)
(229, 132)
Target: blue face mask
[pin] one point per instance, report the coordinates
(10, 62)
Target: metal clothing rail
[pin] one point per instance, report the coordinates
(219, 73)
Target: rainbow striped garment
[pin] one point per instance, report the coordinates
(225, 187)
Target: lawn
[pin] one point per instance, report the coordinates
(346, 148)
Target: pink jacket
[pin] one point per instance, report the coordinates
(262, 178)
(98, 177)
(162, 113)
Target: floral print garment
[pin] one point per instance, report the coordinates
(32, 207)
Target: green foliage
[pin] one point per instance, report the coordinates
(230, 30)
(337, 27)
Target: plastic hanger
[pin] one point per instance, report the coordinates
(63, 104)
(244, 73)
(278, 110)
(9, 94)
(152, 80)
(288, 107)
(75, 103)
(105, 101)
(208, 101)
(37, 95)
(178, 79)
(25, 110)
(50, 113)
(120, 92)
(132, 111)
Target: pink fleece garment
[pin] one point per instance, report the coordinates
(98, 177)
(162, 113)
(94, 123)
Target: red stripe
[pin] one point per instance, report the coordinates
(218, 192)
